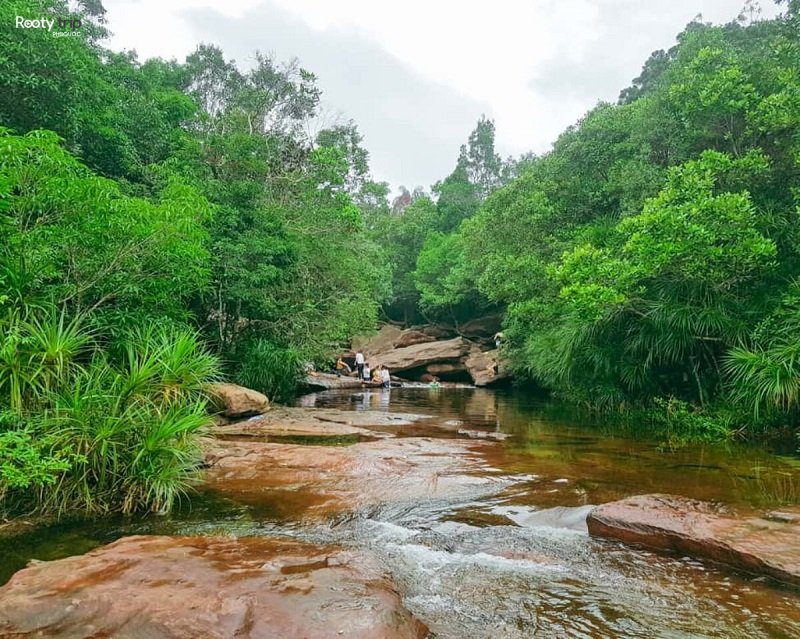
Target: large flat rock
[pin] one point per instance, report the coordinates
(702, 530)
(308, 482)
(329, 381)
(316, 422)
(422, 355)
(205, 587)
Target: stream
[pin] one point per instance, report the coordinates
(506, 554)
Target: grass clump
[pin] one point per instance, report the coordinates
(96, 426)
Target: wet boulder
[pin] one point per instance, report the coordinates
(481, 328)
(481, 367)
(206, 587)
(412, 337)
(237, 401)
(419, 356)
(703, 530)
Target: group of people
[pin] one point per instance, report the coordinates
(378, 375)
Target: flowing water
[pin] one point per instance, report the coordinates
(510, 557)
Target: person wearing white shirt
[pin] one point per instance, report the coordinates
(360, 364)
(386, 377)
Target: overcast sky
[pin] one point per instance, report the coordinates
(416, 75)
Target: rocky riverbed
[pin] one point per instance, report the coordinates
(414, 528)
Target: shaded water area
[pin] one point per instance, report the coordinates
(505, 553)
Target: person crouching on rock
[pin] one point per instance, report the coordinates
(360, 364)
(342, 368)
(365, 373)
(376, 374)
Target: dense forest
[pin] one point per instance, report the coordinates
(648, 264)
(164, 224)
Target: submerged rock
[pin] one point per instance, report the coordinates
(484, 434)
(206, 587)
(238, 401)
(320, 481)
(701, 530)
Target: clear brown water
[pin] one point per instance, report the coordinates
(513, 562)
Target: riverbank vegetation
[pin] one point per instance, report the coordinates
(649, 261)
(162, 225)
(165, 223)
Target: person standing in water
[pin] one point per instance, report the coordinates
(386, 378)
(360, 364)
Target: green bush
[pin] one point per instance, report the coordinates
(268, 368)
(97, 429)
(682, 423)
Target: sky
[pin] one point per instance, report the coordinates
(416, 75)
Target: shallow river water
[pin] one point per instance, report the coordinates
(513, 558)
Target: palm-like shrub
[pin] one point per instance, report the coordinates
(764, 372)
(99, 429)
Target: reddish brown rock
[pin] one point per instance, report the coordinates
(438, 331)
(316, 422)
(701, 530)
(421, 355)
(318, 481)
(203, 587)
(411, 337)
(482, 369)
(382, 341)
(481, 327)
(238, 401)
(329, 381)
(445, 369)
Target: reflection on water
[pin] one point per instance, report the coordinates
(516, 563)
(598, 464)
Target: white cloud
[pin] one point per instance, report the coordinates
(416, 75)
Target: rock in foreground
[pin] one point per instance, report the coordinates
(187, 587)
(701, 530)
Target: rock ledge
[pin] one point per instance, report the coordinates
(705, 531)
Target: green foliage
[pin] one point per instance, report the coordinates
(26, 464)
(682, 423)
(273, 370)
(142, 198)
(99, 430)
(221, 211)
(764, 372)
(73, 239)
(442, 277)
(652, 252)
